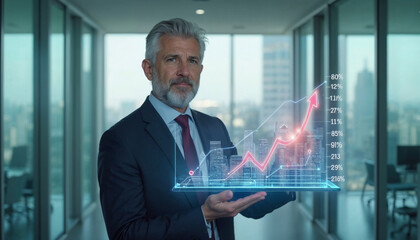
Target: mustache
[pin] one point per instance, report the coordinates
(182, 80)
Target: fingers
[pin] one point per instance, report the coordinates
(243, 203)
(217, 205)
(223, 196)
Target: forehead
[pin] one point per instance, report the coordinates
(170, 43)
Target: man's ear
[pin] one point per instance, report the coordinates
(147, 69)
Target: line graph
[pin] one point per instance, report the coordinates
(313, 103)
(279, 158)
(203, 159)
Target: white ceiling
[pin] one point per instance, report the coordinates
(221, 16)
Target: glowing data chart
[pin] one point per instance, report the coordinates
(287, 151)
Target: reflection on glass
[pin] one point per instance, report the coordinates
(18, 119)
(306, 81)
(87, 116)
(356, 63)
(56, 111)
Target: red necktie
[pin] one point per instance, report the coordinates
(190, 153)
(191, 158)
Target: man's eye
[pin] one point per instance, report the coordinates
(171, 59)
(193, 61)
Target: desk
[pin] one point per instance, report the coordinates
(395, 187)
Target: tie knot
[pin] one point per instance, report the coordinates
(182, 120)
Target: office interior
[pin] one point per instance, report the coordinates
(63, 72)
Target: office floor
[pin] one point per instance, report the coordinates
(356, 221)
(287, 222)
(356, 218)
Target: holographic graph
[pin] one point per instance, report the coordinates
(295, 159)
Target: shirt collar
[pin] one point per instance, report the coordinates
(167, 113)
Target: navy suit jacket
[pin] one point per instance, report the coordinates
(136, 175)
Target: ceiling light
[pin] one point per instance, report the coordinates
(200, 11)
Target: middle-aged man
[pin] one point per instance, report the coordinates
(136, 156)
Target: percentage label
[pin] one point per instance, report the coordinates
(337, 133)
(336, 98)
(337, 76)
(336, 145)
(336, 167)
(337, 179)
(336, 121)
(336, 86)
(336, 110)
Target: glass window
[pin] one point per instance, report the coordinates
(213, 95)
(18, 119)
(403, 103)
(87, 111)
(126, 87)
(356, 64)
(56, 112)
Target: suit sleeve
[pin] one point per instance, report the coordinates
(123, 202)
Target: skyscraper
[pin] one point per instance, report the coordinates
(363, 130)
(277, 81)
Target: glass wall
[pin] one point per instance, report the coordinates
(403, 106)
(87, 100)
(356, 51)
(56, 111)
(24, 62)
(18, 119)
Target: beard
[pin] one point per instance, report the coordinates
(177, 98)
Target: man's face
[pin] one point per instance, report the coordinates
(176, 73)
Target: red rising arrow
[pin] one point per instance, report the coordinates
(313, 102)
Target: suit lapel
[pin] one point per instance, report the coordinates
(160, 133)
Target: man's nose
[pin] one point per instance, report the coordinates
(183, 69)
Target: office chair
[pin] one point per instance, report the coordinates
(19, 158)
(411, 212)
(394, 183)
(13, 194)
(370, 180)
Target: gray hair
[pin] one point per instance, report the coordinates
(175, 27)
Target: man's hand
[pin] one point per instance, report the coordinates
(217, 205)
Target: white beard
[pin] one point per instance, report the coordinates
(172, 98)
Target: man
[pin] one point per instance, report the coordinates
(136, 156)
